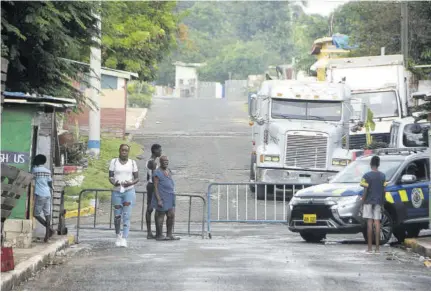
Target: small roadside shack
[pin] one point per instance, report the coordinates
(28, 128)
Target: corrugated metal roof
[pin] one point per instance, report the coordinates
(42, 100)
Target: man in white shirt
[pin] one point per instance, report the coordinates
(123, 175)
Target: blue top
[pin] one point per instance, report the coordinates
(42, 176)
(166, 189)
(375, 182)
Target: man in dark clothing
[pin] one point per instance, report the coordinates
(152, 164)
(374, 183)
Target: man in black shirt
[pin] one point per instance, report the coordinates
(374, 183)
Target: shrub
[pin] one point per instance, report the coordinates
(140, 94)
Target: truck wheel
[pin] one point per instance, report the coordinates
(260, 192)
(413, 230)
(386, 229)
(314, 237)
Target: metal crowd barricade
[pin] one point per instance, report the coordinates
(142, 214)
(241, 205)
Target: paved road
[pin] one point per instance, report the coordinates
(251, 257)
(207, 141)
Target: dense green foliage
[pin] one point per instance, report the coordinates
(37, 37)
(34, 37)
(136, 35)
(245, 37)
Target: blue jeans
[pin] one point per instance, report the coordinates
(118, 200)
(42, 205)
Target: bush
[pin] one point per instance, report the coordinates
(140, 94)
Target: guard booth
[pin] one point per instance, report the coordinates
(28, 128)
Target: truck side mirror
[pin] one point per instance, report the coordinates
(252, 106)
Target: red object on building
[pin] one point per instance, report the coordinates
(7, 262)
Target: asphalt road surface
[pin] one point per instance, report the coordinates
(207, 141)
(250, 257)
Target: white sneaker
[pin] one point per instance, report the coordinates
(119, 240)
(123, 242)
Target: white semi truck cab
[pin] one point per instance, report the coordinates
(298, 132)
(381, 82)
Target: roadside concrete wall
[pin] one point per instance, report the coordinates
(209, 90)
(236, 90)
(18, 233)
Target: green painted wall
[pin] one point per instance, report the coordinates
(16, 137)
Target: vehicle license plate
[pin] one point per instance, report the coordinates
(309, 218)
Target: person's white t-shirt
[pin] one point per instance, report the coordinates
(123, 172)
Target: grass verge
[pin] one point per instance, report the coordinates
(96, 175)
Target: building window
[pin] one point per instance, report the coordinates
(109, 82)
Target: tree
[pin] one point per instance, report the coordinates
(35, 38)
(136, 35)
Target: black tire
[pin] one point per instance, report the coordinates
(400, 233)
(260, 192)
(413, 230)
(386, 229)
(314, 237)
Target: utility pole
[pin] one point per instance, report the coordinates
(95, 80)
(405, 31)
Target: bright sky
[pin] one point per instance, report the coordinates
(323, 7)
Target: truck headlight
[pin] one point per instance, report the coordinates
(269, 158)
(340, 162)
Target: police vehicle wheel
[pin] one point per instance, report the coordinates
(400, 233)
(413, 230)
(386, 229)
(312, 237)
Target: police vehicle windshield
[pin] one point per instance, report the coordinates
(354, 172)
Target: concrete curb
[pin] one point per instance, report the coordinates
(141, 118)
(26, 269)
(419, 246)
(84, 211)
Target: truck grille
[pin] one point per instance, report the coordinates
(306, 151)
(359, 141)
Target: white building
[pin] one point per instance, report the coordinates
(186, 79)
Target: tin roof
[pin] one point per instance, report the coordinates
(41, 100)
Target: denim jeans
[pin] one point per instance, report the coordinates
(42, 206)
(125, 211)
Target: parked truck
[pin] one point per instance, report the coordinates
(381, 82)
(300, 133)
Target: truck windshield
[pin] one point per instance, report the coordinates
(306, 110)
(412, 137)
(383, 104)
(354, 172)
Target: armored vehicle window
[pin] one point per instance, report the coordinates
(416, 135)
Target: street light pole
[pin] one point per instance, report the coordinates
(405, 31)
(95, 82)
